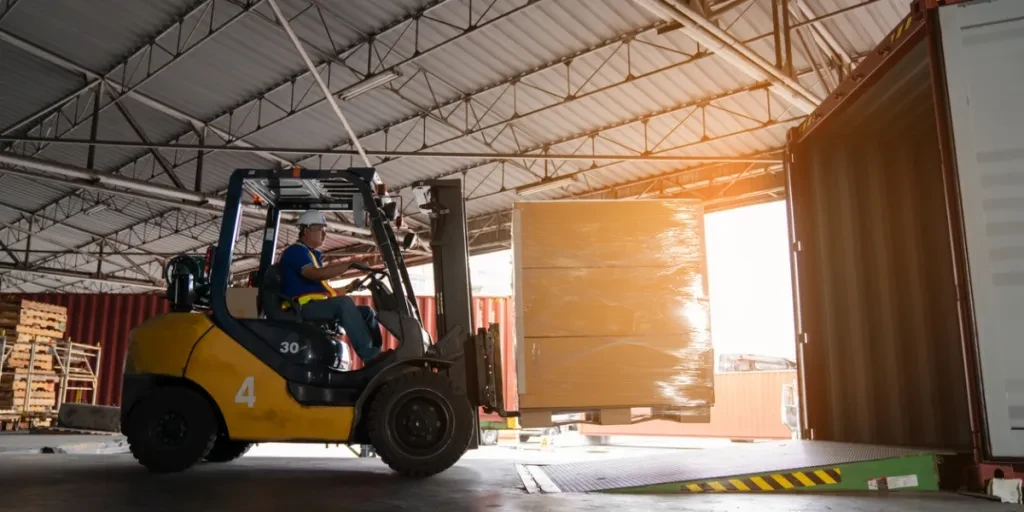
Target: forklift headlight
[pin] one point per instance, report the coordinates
(422, 196)
(391, 211)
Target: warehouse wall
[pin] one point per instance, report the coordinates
(748, 405)
(106, 319)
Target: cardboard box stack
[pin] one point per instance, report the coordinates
(31, 332)
(612, 309)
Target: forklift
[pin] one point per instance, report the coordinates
(203, 384)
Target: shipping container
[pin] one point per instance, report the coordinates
(106, 320)
(748, 406)
(906, 197)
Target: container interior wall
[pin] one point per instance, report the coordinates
(882, 355)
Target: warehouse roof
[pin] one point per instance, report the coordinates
(512, 93)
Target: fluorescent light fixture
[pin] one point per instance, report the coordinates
(547, 184)
(97, 208)
(368, 85)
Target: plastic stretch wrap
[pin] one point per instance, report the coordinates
(612, 305)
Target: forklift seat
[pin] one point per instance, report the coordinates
(271, 298)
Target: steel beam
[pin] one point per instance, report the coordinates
(141, 134)
(143, 58)
(328, 95)
(732, 50)
(448, 155)
(372, 43)
(718, 186)
(84, 276)
(175, 198)
(465, 107)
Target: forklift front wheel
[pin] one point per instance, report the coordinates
(171, 429)
(226, 450)
(418, 425)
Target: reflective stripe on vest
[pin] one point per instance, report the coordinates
(307, 297)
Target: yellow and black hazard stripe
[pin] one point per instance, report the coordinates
(902, 27)
(769, 482)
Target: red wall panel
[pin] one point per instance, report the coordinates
(106, 320)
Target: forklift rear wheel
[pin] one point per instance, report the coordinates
(171, 429)
(226, 450)
(418, 425)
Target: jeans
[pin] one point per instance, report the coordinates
(360, 323)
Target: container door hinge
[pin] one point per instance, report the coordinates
(797, 246)
(801, 338)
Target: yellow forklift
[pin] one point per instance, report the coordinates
(201, 383)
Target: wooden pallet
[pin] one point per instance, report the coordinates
(12, 323)
(18, 396)
(19, 304)
(19, 359)
(34, 404)
(21, 355)
(18, 384)
(36, 331)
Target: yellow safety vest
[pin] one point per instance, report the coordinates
(307, 297)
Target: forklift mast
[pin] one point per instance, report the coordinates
(443, 201)
(478, 371)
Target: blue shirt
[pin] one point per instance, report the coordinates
(293, 259)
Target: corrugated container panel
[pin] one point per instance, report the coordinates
(114, 27)
(49, 83)
(748, 405)
(877, 293)
(105, 320)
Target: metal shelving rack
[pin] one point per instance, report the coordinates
(78, 365)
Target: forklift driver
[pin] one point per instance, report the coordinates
(304, 277)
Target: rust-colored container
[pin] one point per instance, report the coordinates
(748, 406)
(106, 319)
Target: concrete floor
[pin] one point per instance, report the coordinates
(277, 476)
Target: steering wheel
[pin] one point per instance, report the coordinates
(371, 275)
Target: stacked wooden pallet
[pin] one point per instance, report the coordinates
(33, 318)
(32, 330)
(16, 387)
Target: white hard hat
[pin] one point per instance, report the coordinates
(311, 217)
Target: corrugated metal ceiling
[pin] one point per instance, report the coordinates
(253, 56)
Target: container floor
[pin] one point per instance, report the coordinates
(314, 479)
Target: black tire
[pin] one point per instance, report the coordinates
(171, 429)
(524, 438)
(418, 425)
(226, 450)
(488, 437)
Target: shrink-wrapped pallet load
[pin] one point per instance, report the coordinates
(612, 309)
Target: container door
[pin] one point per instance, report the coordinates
(983, 50)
